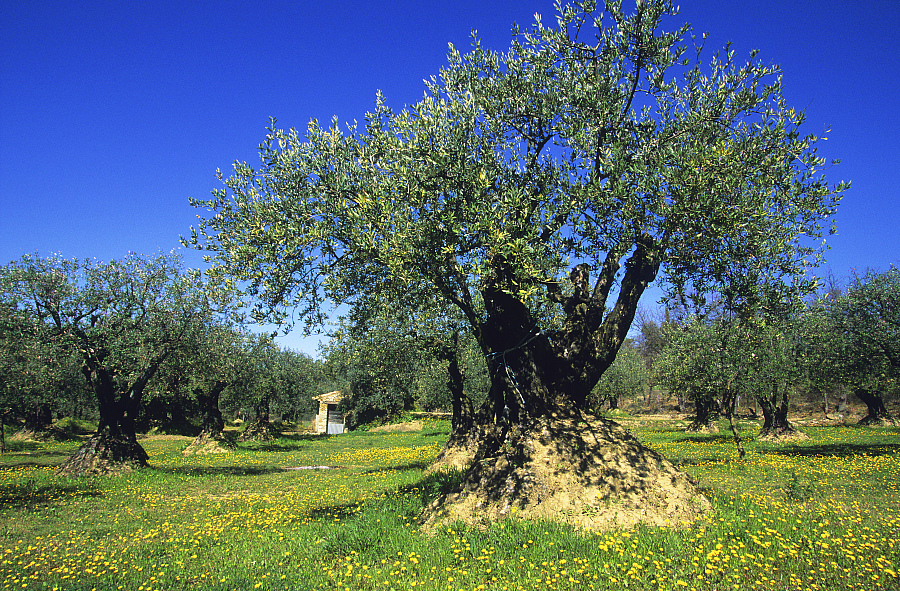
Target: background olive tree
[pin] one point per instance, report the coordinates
(122, 320)
(627, 376)
(866, 318)
(398, 350)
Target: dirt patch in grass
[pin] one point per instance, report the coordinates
(165, 438)
(399, 427)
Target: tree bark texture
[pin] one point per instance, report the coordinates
(775, 412)
(877, 412)
(534, 372)
(114, 448)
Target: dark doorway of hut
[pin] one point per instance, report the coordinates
(335, 421)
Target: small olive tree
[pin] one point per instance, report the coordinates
(689, 367)
(627, 376)
(867, 317)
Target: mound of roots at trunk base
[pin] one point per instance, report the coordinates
(207, 443)
(105, 455)
(879, 421)
(590, 474)
(783, 433)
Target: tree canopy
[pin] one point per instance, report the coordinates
(598, 143)
(627, 376)
(395, 351)
(867, 319)
(539, 192)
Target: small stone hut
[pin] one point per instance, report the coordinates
(329, 419)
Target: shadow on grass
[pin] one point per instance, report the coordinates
(697, 461)
(31, 494)
(435, 484)
(284, 443)
(17, 446)
(841, 450)
(375, 529)
(711, 438)
(334, 511)
(217, 470)
(42, 459)
(421, 465)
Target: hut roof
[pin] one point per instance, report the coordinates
(329, 397)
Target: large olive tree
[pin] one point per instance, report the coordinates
(538, 191)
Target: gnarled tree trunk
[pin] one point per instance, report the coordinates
(463, 415)
(842, 401)
(775, 421)
(211, 420)
(877, 413)
(114, 448)
(261, 429)
(212, 425)
(39, 418)
(534, 449)
(706, 410)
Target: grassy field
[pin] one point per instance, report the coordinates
(819, 514)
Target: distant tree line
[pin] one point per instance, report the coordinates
(139, 344)
(135, 344)
(712, 362)
(841, 341)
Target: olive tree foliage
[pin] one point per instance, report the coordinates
(650, 340)
(38, 376)
(867, 318)
(824, 353)
(688, 367)
(29, 368)
(184, 396)
(212, 368)
(401, 351)
(775, 370)
(255, 387)
(23, 367)
(263, 378)
(421, 349)
(378, 372)
(719, 363)
(122, 320)
(627, 376)
(539, 192)
(300, 377)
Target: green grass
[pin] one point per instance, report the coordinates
(820, 514)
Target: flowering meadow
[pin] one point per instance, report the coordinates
(817, 514)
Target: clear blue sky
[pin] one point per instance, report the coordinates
(113, 114)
